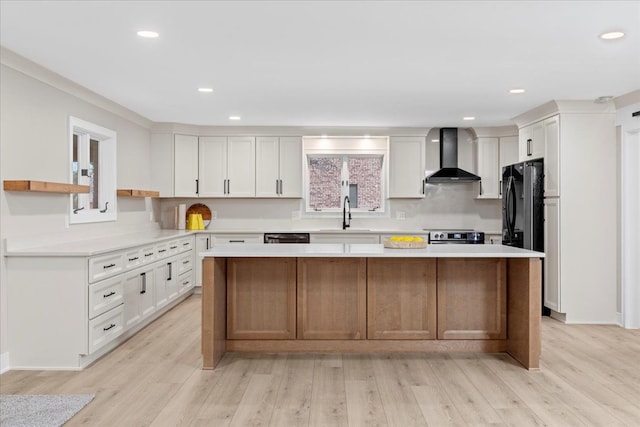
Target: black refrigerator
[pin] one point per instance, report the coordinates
(523, 207)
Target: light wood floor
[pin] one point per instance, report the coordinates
(590, 376)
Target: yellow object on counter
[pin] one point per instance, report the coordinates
(195, 222)
(406, 239)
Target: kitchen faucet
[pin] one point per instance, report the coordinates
(344, 213)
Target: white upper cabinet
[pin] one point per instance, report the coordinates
(213, 166)
(532, 142)
(492, 154)
(185, 166)
(279, 167)
(552, 156)
(488, 160)
(241, 166)
(406, 167)
(226, 166)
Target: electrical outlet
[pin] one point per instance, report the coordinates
(400, 215)
(295, 215)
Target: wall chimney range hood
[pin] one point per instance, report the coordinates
(449, 171)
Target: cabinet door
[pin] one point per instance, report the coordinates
(532, 142)
(332, 298)
(552, 157)
(212, 166)
(267, 166)
(401, 298)
(291, 166)
(406, 167)
(261, 298)
(465, 286)
(132, 288)
(508, 151)
(487, 157)
(185, 166)
(164, 280)
(552, 295)
(241, 167)
(162, 163)
(147, 292)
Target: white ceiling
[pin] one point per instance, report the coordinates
(333, 63)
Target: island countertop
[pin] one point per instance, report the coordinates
(346, 250)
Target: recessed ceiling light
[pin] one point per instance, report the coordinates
(612, 35)
(517, 90)
(468, 118)
(234, 117)
(148, 34)
(205, 89)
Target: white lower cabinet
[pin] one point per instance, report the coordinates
(552, 294)
(67, 311)
(105, 328)
(139, 295)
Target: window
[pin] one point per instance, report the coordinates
(93, 163)
(340, 167)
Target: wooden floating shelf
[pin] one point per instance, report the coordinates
(137, 193)
(44, 187)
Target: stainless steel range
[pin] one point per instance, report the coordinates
(464, 237)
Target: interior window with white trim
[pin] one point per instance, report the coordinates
(93, 163)
(345, 167)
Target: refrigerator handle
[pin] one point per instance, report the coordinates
(512, 203)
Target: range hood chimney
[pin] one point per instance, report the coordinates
(449, 171)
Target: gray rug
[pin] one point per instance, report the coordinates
(17, 410)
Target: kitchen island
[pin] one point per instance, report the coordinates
(367, 298)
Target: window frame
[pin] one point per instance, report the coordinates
(345, 147)
(107, 141)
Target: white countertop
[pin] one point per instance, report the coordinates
(91, 247)
(368, 251)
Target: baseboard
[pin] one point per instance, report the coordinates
(561, 317)
(4, 362)
(619, 319)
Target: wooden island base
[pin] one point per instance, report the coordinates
(371, 305)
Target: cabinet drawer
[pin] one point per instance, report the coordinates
(162, 250)
(132, 259)
(185, 244)
(105, 328)
(105, 266)
(149, 254)
(237, 238)
(105, 295)
(173, 247)
(185, 282)
(185, 263)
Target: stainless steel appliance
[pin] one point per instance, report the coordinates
(523, 208)
(465, 237)
(523, 205)
(286, 238)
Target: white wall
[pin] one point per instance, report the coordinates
(34, 144)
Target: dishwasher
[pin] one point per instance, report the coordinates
(286, 238)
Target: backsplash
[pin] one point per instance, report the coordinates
(444, 206)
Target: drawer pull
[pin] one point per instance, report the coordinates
(186, 244)
(173, 247)
(185, 283)
(108, 266)
(236, 241)
(109, 294)
(186, 262)
(133, 259)
(111, 326)
(162, 250)
(149, 254)
(144, 283)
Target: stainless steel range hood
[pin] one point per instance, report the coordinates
(449, 171)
